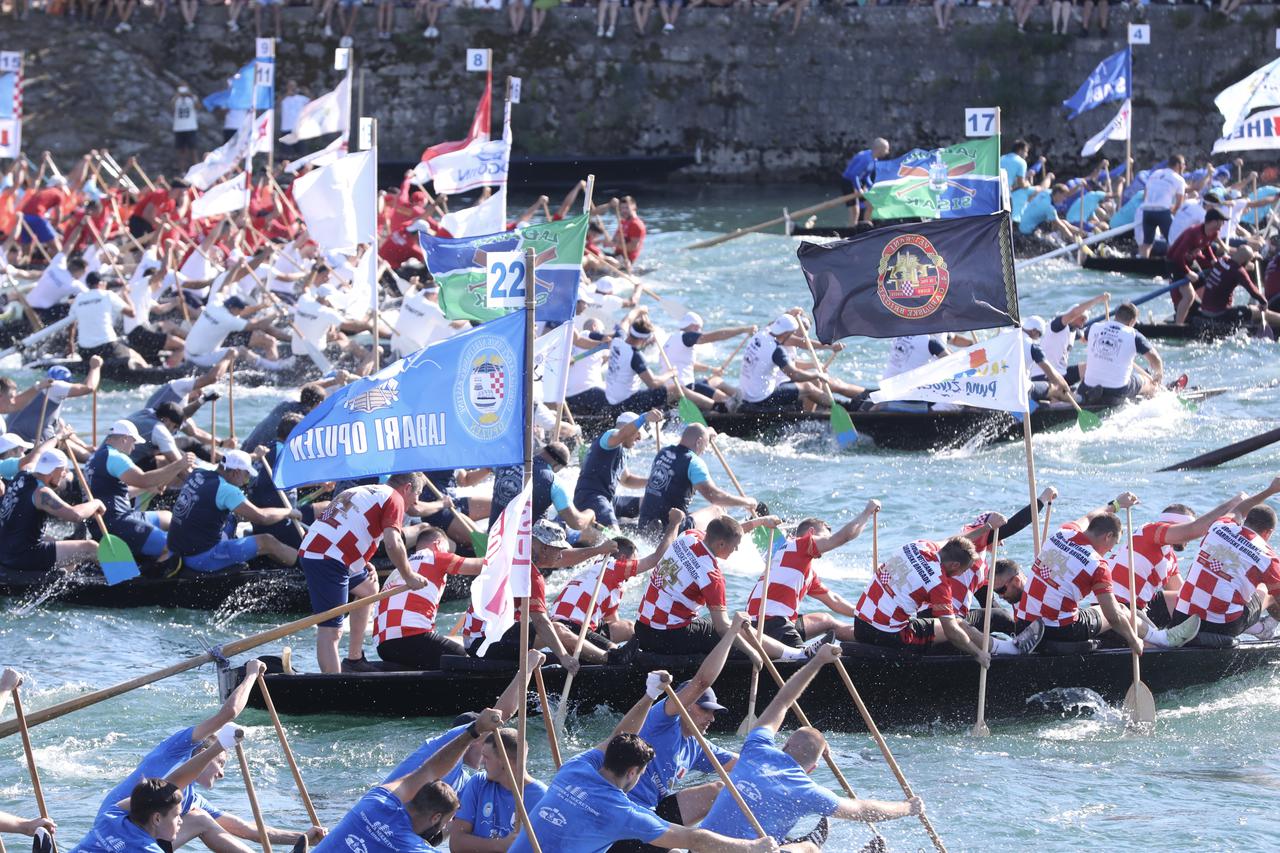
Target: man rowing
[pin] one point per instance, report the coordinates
(767, 357)
(1109, 376)
(1192, 253)
(486, 820)
(265, 494)
(548, 493)
(628, 370)
(449, 519)
(681, 350)
(158, 445)
(1059, 335)
(1214, 292)
(775, 782)
(677, 471)
(11, 680)
(605, 469)
(39, 418)
(28, 503)
(792, 578)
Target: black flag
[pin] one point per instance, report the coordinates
(948, 275)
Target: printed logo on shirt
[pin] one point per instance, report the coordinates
(356, 844)
(482, 397)
(913, 278)
(555, 817)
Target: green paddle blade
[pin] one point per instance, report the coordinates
(479, 543)
(842, 426)
(116, 560)
(690, 413)
(1087, 420)
(760, 536)
(144, 501)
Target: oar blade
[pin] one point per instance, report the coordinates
(760, 536)
(690, 413)
(116, 560)
(1088, 421)
(980, 730)
(1140, 705)
(479, 543)
(842, 427)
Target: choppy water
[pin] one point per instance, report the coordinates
(1207, 779)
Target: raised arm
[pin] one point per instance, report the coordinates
(1247, 505)
(848, 532)
(776, 713)
(712, 664)
(435, 767)
(235, 704)
(634, 718)
(674, 519)
(509, 702)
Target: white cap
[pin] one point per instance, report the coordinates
(1034, 323)
(630, 418)
(604, 285)
(50, 461)
(585, 296)
(693, 318)
(10, 440)
(783, 325)
(324, 291)
(125, 428)
(237, 460)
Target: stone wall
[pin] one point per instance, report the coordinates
(758, 103)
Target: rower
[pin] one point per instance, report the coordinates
(309, 396)
(1109, 377)
(682, 354)
(11, 680)
(767, 356)
(914, 576)
(1235, 559)
(145, 337)
(398, 815)
(264, 493)
(792, 578)
(61, 280)
(48, 401)
(1050, 384)
(776, 783)
(908, 352)
(487, 812)
(404, 625)
(335, 556)
(217, 321)
(28, 502)
(158, 445)
(216, 829)
(449, 519)
(550, 551)
(93, 312)
(628, 370)
(1057, 338)
(547, 491)
(199, 532)
(421, 323)
(604, 626)
(584, 391)
(1069, 567)
(605, 469)
(315, 321)
(1193, 251)
(111, 473)
(1215, 289)
(677, 471)
(191, 390)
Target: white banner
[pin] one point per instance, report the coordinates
(10, 138)
(331, 153)
(551, 354)
(1116, 129)
(329, 113)
(226, 197)
(338, 204)
(482, 163)
(1259, 132)
(223, 159)
(487, 217)
(505, 574)
(989, 375)
(1259, 89)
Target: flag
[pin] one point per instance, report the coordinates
(962, 180)
(486, 217)
(551, 353)
(1116, 129)
(504, 576)
(479, 129)
(338, 202)
(11, 114)
(239, 92)
(481, 163)
(263, 133)
(454, 404)
(1110, 81)
(226, 197)
(231, 153)
(914, 279)
(329, 113)
(1258, 132)
(326, 155)
(989, 375)
(1259, 89)
(459, 266)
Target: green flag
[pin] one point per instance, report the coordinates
(962, 180)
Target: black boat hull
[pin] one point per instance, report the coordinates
(1145, 267)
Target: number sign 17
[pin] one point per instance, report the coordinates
(505, 280)
(980, 121)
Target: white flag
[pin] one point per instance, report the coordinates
(226, 197)
(264, 133)
(1116, 129)
(1259, 89)
(1259, 132)
(230, 154)
(481, 163)
(551, 353)
(487, 217)
(505, 574)
(326, 155)
(329, 113)
(989, 375)
(337, 202)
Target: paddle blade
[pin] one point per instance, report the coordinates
(1087, 420)
(479, 543)
(690, 413)
(144, 501)
(760, 536)
(1140, 705)
(116, 560)
(980, 730)
(842, 426)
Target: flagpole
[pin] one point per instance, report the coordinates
(374, 296)
(530, 262)
(1128, 137)
(564, 378)
(1026, 444)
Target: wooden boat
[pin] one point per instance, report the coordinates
(1203, 330)
(119, 371)
(1147, 267)
(901, 688)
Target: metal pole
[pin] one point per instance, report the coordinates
(377, 330)
(530, 262)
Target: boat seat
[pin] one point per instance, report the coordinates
(1060, 649)
(466, 663)
(1209, 640)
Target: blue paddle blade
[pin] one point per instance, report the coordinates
(842, 427)
(116, 560)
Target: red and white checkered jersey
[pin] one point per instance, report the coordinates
(413, 611)
(1066, 570)
(910, 580)
(1232, 561)
(686, 578)
(1155, 559)
(351, 527)
(572, 602)
(966, 583)
(473, 625)
(791, 578)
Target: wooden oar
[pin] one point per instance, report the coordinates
(479, 541)
(759, 535)
(231, 400)
(114, 555)
(1048, 511)
(795, 214)
(1225, 454)
(1139, 704)
(1063, 250)
(728, 361)
(213, 431)
(284, 499)
(562, 710)
(674, 699)
(980, 728)
(749, 721)
(263, 838)
(31, 758)
(552, 741)
(841, 424)
(689, 411)
(517, 792)
(288, 753)
(95, 417)
(884, 750)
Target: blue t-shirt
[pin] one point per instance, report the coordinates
(583, 812)
(861, 170)
(1038, 210)
(606, 437)
(422, 755)
(674, 755)
(559, 497)
(377, 822)
(490, 808)
(698, 472)
(117, 462)
(1014, 167)
(229, 497)
(113, 832)
(157, 764)
(777, 789)
(9, 467)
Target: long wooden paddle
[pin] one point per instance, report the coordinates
(728, 361)
(1048, 511)
(517, 793)
(263, 838)
(114, 555)
(759, 536)
(31, 758)
(284, 499)
(552, 741)
(841, 424)
(1139, 704)
(562, 710)
(749, 721)
(884, 750)
(479, 541)
(980, 724)
(689, 411)
(795, 214)
(288, 753)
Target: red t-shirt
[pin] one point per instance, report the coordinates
(633, 230)
(40, 201)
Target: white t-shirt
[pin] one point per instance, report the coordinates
(55, 284)
(585, 373)
(1189, 215)
(1163, 188)
(682, 357)
(211, 329)
(314, 321)
(625, 366)
(1112, 347)
(908, 353)
(760, 373)
(235, 119)
(290, 107)
(94, 312)
(421, 323)
(184, 114)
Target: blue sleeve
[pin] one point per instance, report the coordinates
(817, 799)
(199, 802)
(605, 437)
(641, 823)
(698, 472)
(559, 497)
(1142, 344)
(638, 364)
(229, 497)
(117, 462)
(9, 467)
(468, 799)
(780, 357)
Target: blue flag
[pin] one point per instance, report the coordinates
(1110, 81)
(239, 92)
(8, 81)
(455, 404)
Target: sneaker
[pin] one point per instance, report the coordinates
(42, 841)
(1180, 635)
(328, 31)
(811, 647)
(609, 33)
(666, 28)
(599, 32)
(1029, 638)
(360, 664)
(435, 34)
(345, 41)
(302, 845)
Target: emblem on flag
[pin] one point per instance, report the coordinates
(481, 392)
(911, 270)
(381, 396)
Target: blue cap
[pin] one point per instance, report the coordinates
(60, 373)
(707, 701)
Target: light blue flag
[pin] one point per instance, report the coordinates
(1110, 81)
(8, 80)
(238, 94)
(455, 404)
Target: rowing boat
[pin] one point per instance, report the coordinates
(1148, 267)
(118, 370)
(1197, 330)
(901, 688)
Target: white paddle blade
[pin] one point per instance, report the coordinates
(1140, 705)
(980, 730)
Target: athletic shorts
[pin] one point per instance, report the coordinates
(237, 339)
(329, 585)
(642, 401)
(668, 809)
(1087, 626)
(420, 651)
(53, 313)
(445, 517)
(917, 634)
(785, 398)
(1158, 611)
(786, 631)
(507, 648)
(147, 342)
(1153, 219)
(702, 388)
(1252, 613)
(140, 531)
(597, 503)
(139, 227)
(111, 351)
(588, 402)
(226, 553)
(1099, 396)
(699, 637)
(41, 557)
(1273, 304)
(598, 638)
(39, 226)
(183, 139)
(209, 359)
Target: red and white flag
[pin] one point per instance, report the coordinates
(479, 130)
(505, 575)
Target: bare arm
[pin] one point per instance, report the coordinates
(47, 501)
(875, 811)
(266, 516)
(393, 541)
(1119, 622)
(705, 841)
(850, 531)
(1247, 505)
(713, 663)
(435, 767)
(776, 713)
(720, 497)
(1189, 531)
(235, 704)
(674, 519)
(139, 479)
(509, 702)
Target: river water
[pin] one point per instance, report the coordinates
(1207, 778)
